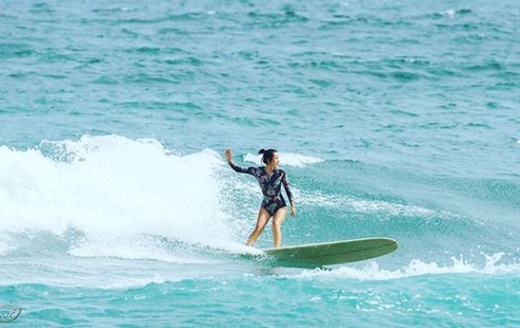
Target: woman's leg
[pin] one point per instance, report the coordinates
(278, 218)
(261, 221)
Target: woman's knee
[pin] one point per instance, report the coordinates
(277, 224)
(279, 218)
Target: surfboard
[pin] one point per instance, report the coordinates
(9, 313)
(331, 253)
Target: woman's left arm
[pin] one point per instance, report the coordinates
(286, 185)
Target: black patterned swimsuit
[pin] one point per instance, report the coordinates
(271, 186)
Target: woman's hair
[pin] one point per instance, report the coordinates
(267, 155)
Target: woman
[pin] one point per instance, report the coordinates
(273, 205)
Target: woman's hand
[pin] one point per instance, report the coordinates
(229, 156)
(293, 210)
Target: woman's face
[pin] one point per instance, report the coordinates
(275, 161)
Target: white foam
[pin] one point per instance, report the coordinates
(286, 159)
(449, 12)
(372, 271)
(239, 248)
(115, 187)
(363, 206)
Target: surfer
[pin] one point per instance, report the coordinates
(270, 178)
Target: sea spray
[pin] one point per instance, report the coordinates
(113, 191)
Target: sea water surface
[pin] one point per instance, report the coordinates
(392, 118)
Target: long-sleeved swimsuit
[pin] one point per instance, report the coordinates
(271, 186)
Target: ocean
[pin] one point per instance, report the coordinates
(392, 119)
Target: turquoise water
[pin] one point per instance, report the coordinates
(396, 119)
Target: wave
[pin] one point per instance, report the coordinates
(417, 268)
(104, 196)
(112, 186)
(364, 205)
(110, 196)
(286, 159)
(121, 273)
